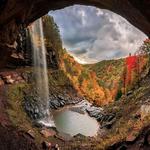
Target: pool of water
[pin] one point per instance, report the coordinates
(72, 123)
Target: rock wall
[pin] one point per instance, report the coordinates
(17, 13)
(21, 54)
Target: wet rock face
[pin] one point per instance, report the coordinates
(57, 101)
(105, 120)
(21, 54)
(15, 13)
(34, 110)
(24, 47)
(52, 60)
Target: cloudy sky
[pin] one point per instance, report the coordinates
(92, 34)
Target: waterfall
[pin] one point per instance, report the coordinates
(40, 69)
(39, 60)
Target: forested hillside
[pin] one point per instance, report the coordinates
(105, 81)
(100, 83)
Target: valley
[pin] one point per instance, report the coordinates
(49, 101)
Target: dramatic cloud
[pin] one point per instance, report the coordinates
(92, 34)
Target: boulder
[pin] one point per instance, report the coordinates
(47, 132)
(77, 109)
(1, 82)
(8, 79)
(46, 145)
(145, 110)
(130, 137)
(79, 136)
(31, 134)
(33, 109)
(64, 136)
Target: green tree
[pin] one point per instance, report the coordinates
(51, 33)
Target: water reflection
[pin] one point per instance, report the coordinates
(72, 123)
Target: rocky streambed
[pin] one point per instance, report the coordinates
(71, 115)
(57, 100)
(69, 110)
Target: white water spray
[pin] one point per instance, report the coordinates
(40, 69)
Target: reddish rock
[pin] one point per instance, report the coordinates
(8, 79)
(1, 82)
(31, 134)
(47, 132)
(130, 137)
(47, 145)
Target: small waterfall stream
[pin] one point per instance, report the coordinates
(40, 70)
(64, 120)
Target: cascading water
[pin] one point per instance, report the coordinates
(40, 70)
